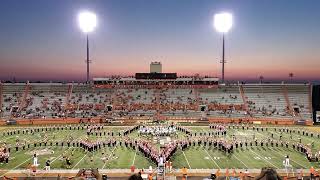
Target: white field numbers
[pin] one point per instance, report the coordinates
(261, 158)
(213, 157)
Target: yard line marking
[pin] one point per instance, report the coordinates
(109, 157)
(60, 155)
(264, 159)
(212, 159)
(234, 132)
(80, 160)
(290, 159)
(134, 158)
(284, 155)
(8, 138)
(203, 130)
(233, 154)
(22, 163)
(68, 148)
(17, 166)
(240, 160)
(186, 160)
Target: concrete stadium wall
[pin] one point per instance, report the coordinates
(274, 121)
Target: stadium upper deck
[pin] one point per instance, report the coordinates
(184, 100)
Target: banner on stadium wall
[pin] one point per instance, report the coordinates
(256, 122)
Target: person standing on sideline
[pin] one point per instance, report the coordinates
(48, 165)
(287, 162)
(35, 159)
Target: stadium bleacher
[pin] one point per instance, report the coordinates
(79, 100)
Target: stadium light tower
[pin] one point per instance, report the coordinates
(87, 23)
(223, 23)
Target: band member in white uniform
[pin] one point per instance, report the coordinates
(287, 162)
(35, 159)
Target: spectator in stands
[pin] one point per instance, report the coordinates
(268, 174)
(184, 172)
(135, 177)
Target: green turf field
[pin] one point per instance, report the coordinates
(121, 157)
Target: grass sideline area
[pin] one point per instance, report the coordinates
(121, 157)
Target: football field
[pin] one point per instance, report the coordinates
(122, 157)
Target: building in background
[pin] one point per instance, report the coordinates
(155, 67)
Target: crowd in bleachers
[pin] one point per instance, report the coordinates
(277, 101)
(86, 102)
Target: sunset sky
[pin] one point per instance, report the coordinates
(41, 40)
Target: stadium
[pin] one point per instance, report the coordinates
(156, 124)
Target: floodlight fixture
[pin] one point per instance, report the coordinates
(87, 21)
(223, 22)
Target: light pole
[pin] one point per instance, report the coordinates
(291, 77)
(87, 23)
(223, 23)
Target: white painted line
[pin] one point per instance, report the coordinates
(212, 159)
(10, 136)
(186, 160)
(290, 159)
(108, 158)
(234, 132)
(67, 149)
(60, 155)
(80, 161)
(17, 166)
(240, 160)
(265, 159)
(134, 158)
(283, 154)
